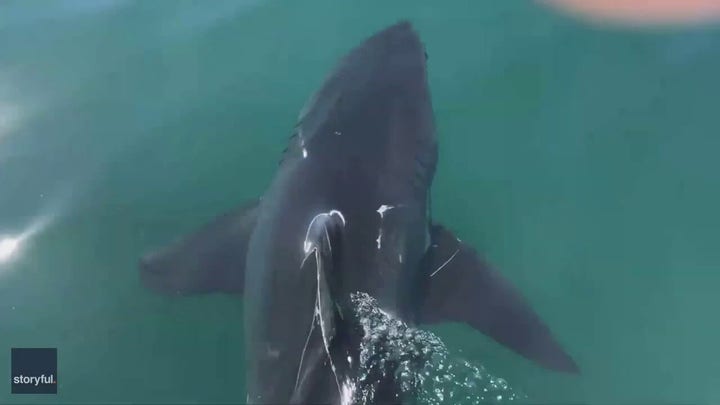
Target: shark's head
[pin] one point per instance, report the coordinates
(373, 114)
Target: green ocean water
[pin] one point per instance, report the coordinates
(581, 160)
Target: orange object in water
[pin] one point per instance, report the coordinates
(642, 11)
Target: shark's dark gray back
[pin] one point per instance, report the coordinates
(364, 147)
(374, 110)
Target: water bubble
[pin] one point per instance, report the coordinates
(419, 361)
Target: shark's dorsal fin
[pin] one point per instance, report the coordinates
(323, 366)
(461, 287)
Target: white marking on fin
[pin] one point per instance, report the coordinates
(327, 236)
(379, 239)
(318, 316)
(446, 262)
(323, 329)
(304, 151)
(383, 209)
(310, 248)
(338, 133)
(307, 341)
(309, 245)
(400, 257)
(338, 213)
(302, 264)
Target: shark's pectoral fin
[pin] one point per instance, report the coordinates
(212, 259)
(461, 287)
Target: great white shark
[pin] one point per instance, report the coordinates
(349, 211)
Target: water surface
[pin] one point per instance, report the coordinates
(580, 160)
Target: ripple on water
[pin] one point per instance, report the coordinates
(420, 363)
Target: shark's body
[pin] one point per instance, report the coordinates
(347, 211)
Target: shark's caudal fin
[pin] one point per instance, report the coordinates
(460, 287)
(208, 260)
